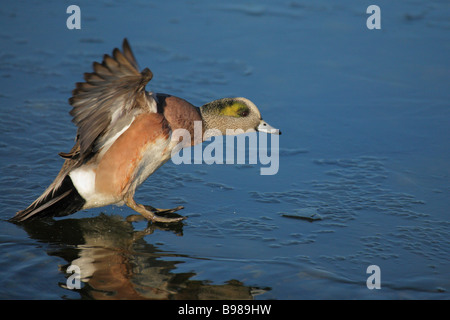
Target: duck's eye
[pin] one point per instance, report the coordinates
(243, 113)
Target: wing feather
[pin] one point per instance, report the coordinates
(113, 91)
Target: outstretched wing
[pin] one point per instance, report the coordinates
(109, 99)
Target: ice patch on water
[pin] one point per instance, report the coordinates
(355, 186)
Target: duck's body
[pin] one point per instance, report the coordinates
(134, 154)
(124, 134)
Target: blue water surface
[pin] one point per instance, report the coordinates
(364, 156)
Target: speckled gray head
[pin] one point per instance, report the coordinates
(228, 115)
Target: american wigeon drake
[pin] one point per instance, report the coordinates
(124, 134)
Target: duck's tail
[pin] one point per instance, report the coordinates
(58, 201)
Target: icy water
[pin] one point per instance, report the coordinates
(364, 157)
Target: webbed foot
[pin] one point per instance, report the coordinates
(151, 213)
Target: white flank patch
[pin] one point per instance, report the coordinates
(84, 181)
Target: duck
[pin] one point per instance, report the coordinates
(125, 133)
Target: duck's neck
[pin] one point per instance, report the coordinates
(212, 126)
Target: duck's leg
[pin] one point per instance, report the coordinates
(150, 214)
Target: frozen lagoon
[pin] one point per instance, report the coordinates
(365, 121)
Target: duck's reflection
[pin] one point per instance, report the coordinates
(116, 262)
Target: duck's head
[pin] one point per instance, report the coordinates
(231, 115)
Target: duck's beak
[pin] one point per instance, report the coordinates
(265, 127)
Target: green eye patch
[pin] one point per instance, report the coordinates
(236, 109)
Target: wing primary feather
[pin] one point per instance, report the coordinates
(115, 87)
